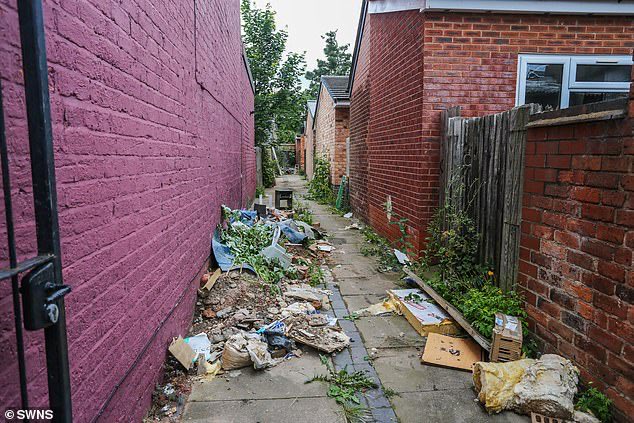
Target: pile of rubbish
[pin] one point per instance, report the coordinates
(263, 304)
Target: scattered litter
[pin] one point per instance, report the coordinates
(200, 344)
(291, 231)
(348, 215)
(183, 352)
(298, 308)
(546, 386)
(306, 293)
(507, 338)
(420, 311)
(384, 307)
(401, 257)
(323, 338)
(457, 353)
(353, 226)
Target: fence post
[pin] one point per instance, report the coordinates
(511, 231)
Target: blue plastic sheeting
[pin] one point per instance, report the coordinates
(224, 258)
(248, 217)
(294, 236)
(222, 253)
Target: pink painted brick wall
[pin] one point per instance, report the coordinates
(151, 108)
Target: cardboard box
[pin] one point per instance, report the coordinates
(422, 313)
(507, 339)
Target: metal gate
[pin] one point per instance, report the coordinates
(38, 298)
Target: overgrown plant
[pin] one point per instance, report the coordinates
(319, 188)
(302, 212)
(595, 402)
(452, 245)
(315, 275)
(380, 248)
(344, 386)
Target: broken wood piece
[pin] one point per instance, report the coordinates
(457, 353)
(212, 280)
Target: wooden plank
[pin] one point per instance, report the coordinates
(451, 310)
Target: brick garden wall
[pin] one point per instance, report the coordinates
(152, 133)
(468, 60)
(309, 135)
(576, 250)
(342, 131)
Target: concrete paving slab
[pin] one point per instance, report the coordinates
(286, 380)
(400, 369)
(384, 332)
(358, 302)
(358, 267)
(307, 410)
(366, 285)
(446, 407)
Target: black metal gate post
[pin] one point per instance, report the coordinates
(42, 289)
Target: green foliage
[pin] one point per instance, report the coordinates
(379, 247)
(279, 97)
(343, 386)
(259, 190)
(319, 188)
(479, 306)
(338, 62)
(302, 212)
(389, 393)
(452, 244)
(268, 167)
(596, 402)
(352, 317)
(315, 275)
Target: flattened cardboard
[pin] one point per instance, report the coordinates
(424, 316)
(438, 351)
(212, 280)
(182, 352)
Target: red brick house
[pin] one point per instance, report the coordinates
(309, 139)
(331, 124)
(414, 58)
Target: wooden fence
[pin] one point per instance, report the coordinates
(482, 169)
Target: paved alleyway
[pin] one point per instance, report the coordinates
(423, 393)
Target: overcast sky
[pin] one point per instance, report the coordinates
(307, 20)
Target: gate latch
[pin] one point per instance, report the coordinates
(39, 297)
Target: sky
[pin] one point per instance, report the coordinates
(307, 20)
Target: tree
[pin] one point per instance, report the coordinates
(279, 100)
(338, 62)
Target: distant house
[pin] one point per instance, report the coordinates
(415, 58)
(308, 139)
(331, 124)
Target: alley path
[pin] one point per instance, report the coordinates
(420, 393)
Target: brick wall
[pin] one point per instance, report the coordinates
(576, 247)
(300, 152)
(359, 121)
(152, 132)
(331, 131)
(309, 133)
(468, 60)
(386, 118)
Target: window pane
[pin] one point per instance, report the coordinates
(577, 98)
(604, 73)
(543, 84)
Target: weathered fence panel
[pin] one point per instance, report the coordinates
(482, 165)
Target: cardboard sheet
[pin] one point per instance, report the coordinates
(457, 353)
(212, 280)
(421, 312)
(182, 352)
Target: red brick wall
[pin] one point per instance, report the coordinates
(309, 135)
(331, 131)
(467, 60)
(576, 249)
(359, 121)
(152, 133)
(386, 124)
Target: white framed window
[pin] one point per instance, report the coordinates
(557, 81)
